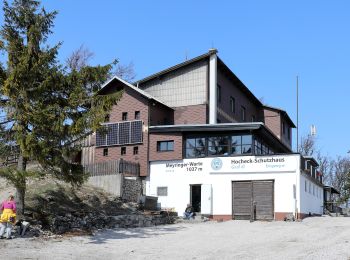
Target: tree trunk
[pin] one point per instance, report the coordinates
(21, 184)
(20, 193)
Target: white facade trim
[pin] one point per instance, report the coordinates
(212, 88)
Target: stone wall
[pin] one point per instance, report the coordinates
(69, 222)
(132, 189)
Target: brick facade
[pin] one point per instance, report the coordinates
(273, 121)
(160, 114)
(130, 102)
(154, 155)
(229, 89)
(196, 114)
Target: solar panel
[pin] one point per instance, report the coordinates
(101, 137)
(120, 133)
(124, 133)
(136, 132)
(112, 134)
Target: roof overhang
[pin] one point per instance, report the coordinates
(204, 127)
(331, 189)
(310, 158)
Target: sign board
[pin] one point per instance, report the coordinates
(241, 164)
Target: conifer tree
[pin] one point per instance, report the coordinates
(47, 106)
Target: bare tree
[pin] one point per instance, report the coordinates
(339, 178)
(307, 146)
(325, 167)
(79, 58)
(126, 72)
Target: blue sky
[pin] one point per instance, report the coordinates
(265, 43)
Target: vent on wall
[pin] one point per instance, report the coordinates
(120, 133)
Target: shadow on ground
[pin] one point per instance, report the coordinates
(123, 233)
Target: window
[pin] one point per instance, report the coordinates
(253, 118)
(218, 121)
(218, 93)
(105, 152)
(218, 145)
(195, 147)
(123, 150)
(243, 113)
(241, 144)
(200, 146)
(305, 186)
(107, 117)
(125, 116)
(258, 147)
(136, 150)
(164, 146)
(233, 104)
(283, 128)
(162, 191)
(137, 115)
(289, 131)
(309, 187)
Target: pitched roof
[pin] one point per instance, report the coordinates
(177, 66)
(125, 83)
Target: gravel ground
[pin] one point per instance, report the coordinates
(313, 238)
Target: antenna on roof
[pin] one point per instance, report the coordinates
(297, 114)
(313, 130)
(186, 55)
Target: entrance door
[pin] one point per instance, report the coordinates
(242, 199)
(263, 198)
(196, 197)
(246, 194)
(206, 200)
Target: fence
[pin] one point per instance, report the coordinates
(113, 167)
(110, 177)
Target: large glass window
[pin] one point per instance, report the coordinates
(218, 145)
(224, 146)
(195, 147)
(241, 144)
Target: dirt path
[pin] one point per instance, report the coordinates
(314, 238)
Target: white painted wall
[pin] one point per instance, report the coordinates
(179, 178)
(213, 81)
(311, 199)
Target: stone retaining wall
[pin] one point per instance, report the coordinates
(132, 188)
(63, 224)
